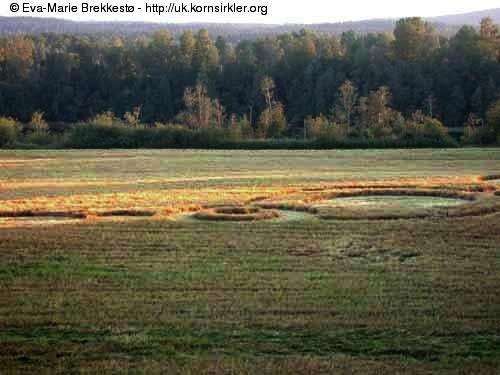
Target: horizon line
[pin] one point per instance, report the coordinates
(242, 23)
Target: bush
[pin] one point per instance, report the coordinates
(239, 129)
(90, 135)
(41, 139)
(480, 135)
(426, 131)
(37, 125)
(434, 130)
(160, 136)
(105, 118)
(430, 134)
(9, 131)
(272, 122)
(323, 128)
(395, 131)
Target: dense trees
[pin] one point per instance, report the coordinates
(371, 118)
(493, 117)
(361, 85)
(233, 33)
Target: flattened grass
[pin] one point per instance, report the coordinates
(42, 214)
(330, 204)
(236, 213)
(127, 212)
(407, 201)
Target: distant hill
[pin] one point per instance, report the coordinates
(234, 32)
(473, 18)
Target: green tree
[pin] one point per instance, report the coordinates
(489, 30)
(187, 45)
(272, 122)
(206, 56)
(374, 109)
(16, 57)
(476, 132)
(240, 128)
(493, 118)
(413, 38)
(490, 35)
(226, 53)
(322, 127)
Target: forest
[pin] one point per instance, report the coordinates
(409, 87)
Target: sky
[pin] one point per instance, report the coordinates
(279, 11)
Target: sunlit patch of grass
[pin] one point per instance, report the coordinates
(384, 206)
(392, 201)
(164, 203)
(298, 197)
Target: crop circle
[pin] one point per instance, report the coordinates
(380, 204)
(398, 204)
(236, 213)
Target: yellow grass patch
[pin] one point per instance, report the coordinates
(300, 197)
(156, 202)
(434, 182)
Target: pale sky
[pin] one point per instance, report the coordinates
(279, 11)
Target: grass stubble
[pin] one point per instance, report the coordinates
(312, 296)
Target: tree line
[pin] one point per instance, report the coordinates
(233, 33)
(405, 87)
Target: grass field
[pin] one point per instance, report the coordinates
(296, 295)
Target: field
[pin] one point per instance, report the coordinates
(88, 284)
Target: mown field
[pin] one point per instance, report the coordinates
(299, 295)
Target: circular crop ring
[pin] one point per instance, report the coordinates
(236, 213)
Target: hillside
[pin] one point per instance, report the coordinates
(234, 32)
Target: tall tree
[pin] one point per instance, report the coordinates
(347, 102)
(413, 38)
(201, 111)
(206, 56)
(187, 45)
(272, 121)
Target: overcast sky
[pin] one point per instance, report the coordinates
(280, 11)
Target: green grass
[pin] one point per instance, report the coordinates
(276, 297)
(404, 202)
(199, 169)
